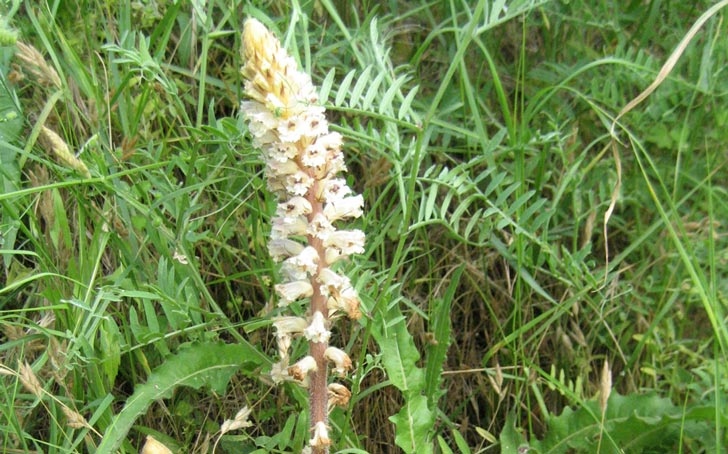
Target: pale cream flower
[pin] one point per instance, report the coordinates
(300, 370)
(295, 206)
(280, 168)
(289, 325)
(340, 359)
(282, 151)
(289, 226)
(306, 261)
(320, 435)
(316, 331)
(310, 123)
(320, 227)
(292, 291)
(348, 207)
(332, 282)
(290, 271)
(314, 156)
(347, 241)
(333, 189)
(282, 248)
(299, 183)
(284, 342)
(279, 372)
(333, 255)
(152, 446)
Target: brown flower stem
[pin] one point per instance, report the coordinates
(318, 389)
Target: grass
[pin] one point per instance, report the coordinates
(493, 290)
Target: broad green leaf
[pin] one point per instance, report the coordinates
(399, 357)
(510, 438)
(414, 425)
(632, 424)
(205, 364)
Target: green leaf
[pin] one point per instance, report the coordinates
(205, 364)
(414, 423)
(444, 448)
(460, 441)
(510, 438)
(631, 424)
(399, 357)
(440, 327)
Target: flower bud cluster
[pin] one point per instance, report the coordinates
(303, 159)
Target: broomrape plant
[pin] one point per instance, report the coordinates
(302, 161)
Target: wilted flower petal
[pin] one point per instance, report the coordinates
(239, 422)
(340, 359)
(300, 370)
(339, 395)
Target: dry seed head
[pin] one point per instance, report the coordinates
(34, 63)
(74, 419)
(61, 150)
(30, 380)
(239, 422)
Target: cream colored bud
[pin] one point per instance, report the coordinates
(289, 325)
(293, 291)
